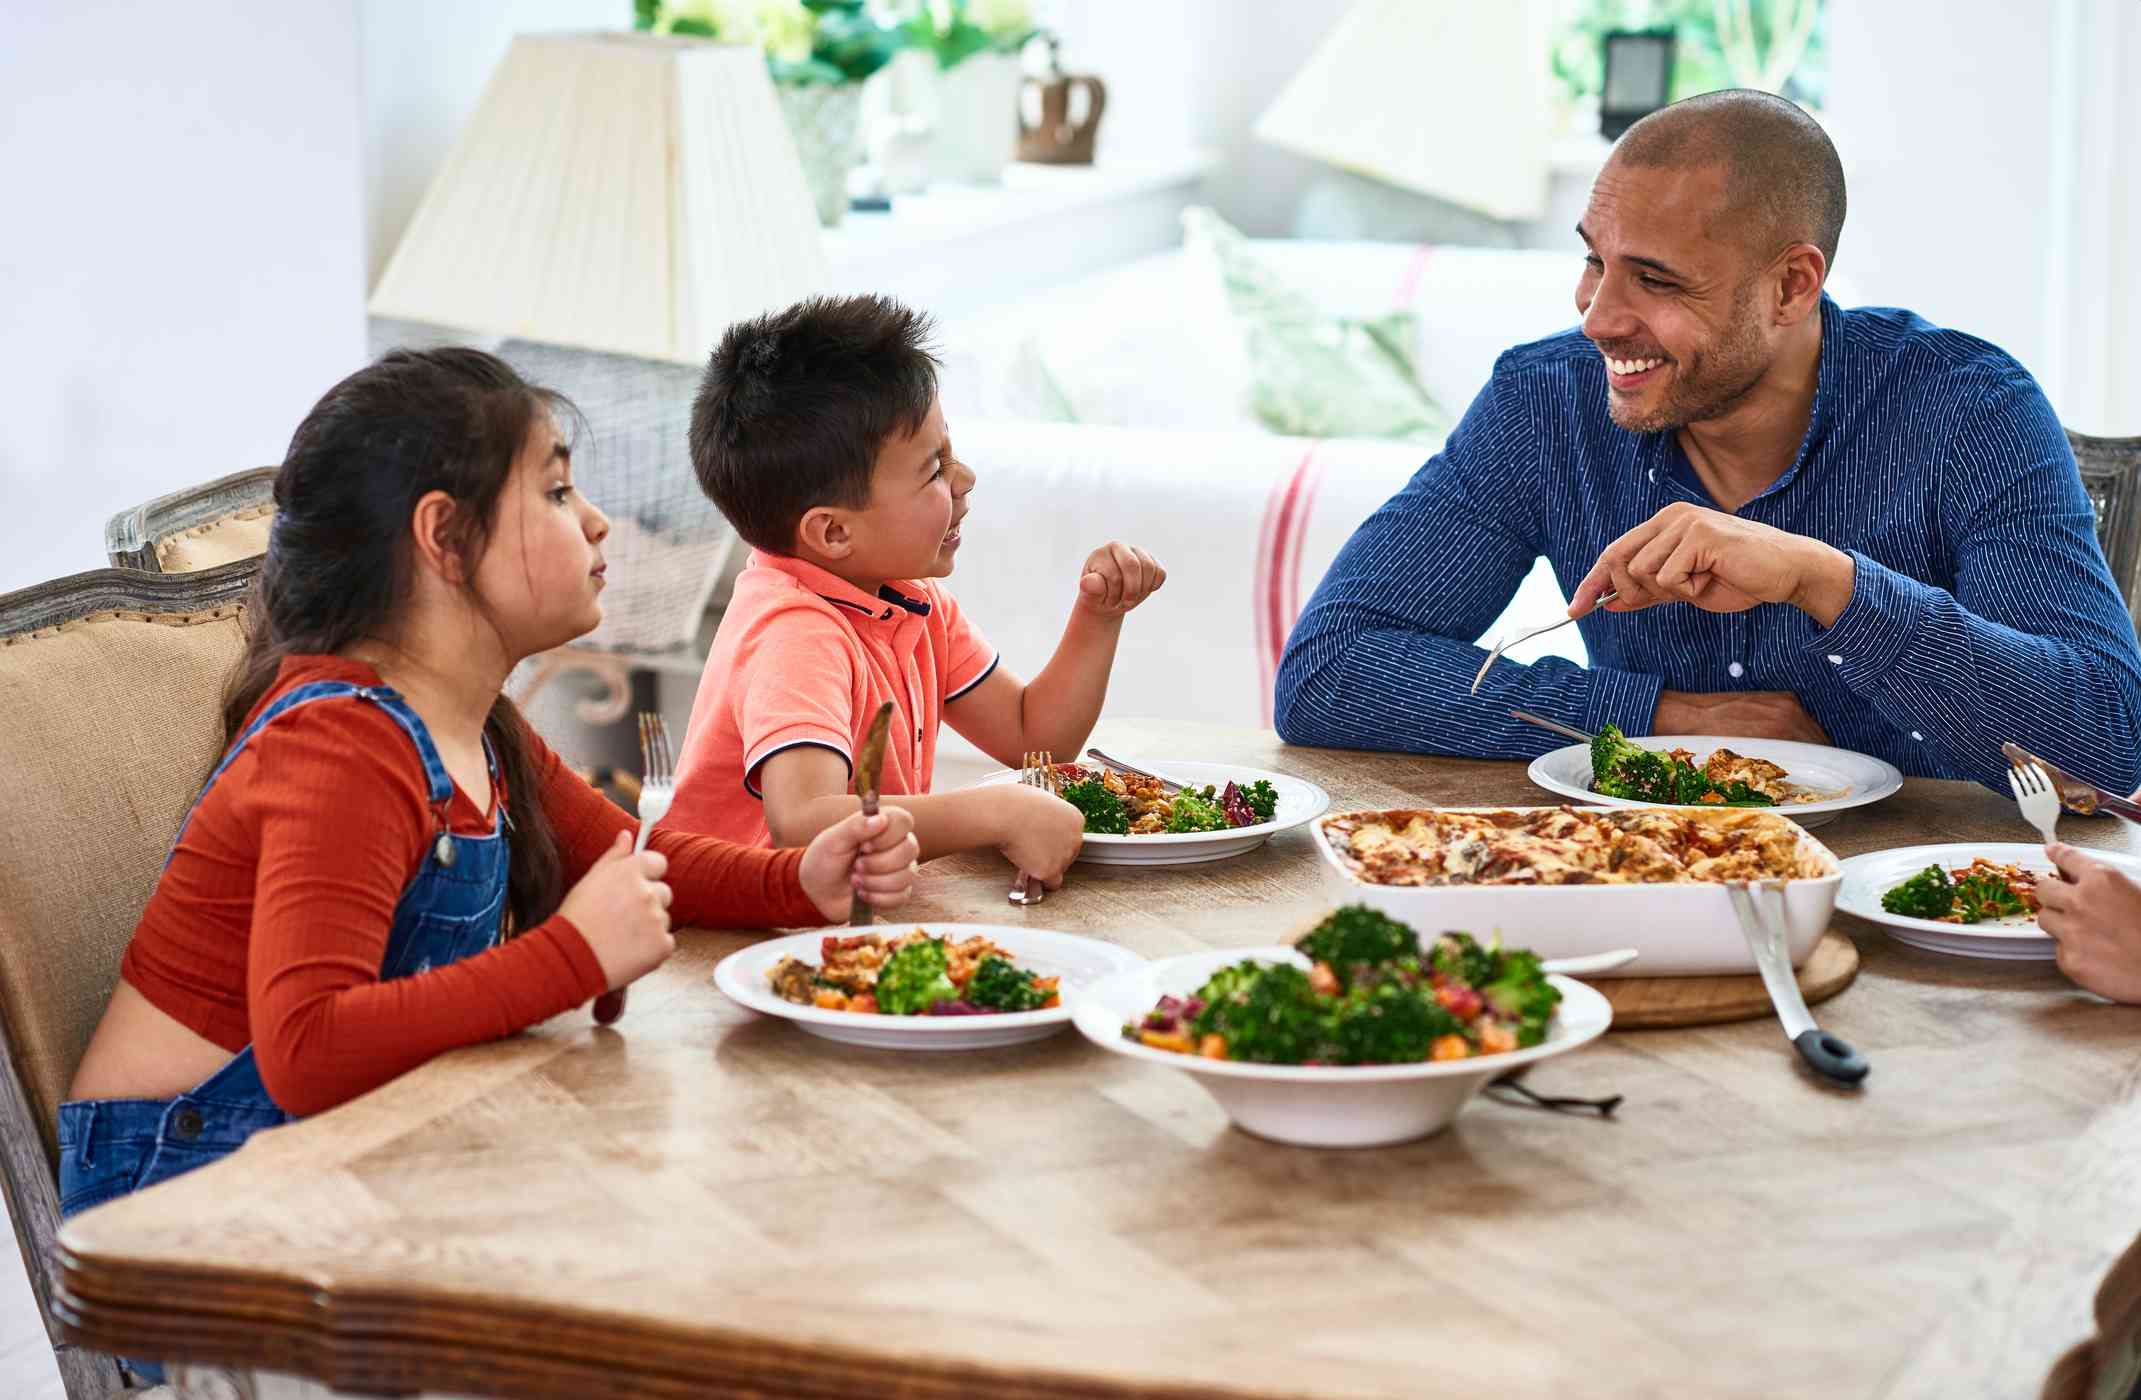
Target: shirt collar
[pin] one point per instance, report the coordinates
(885, 605)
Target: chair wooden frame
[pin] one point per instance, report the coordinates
(27, 1174)
(131, 537)
(2111, 471)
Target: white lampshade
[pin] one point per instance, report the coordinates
(1446, 97)
(628, 193)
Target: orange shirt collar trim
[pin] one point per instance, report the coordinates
(885, 605)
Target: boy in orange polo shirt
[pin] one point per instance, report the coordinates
(818, 432)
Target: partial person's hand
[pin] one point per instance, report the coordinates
(2094, 914)
(1116, 578)
(1038, 832)
(873, 857)
(621, 908)
(1720, 563)
(1751, 714)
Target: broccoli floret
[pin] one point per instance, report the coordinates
(1386, 1022)
(1520, 992)
(914, 979)
(1612, 759)
(1263, 799)
(1267, 1012)
(1459, 955)
(1622, 769)
(1982, 897)
(1927, 895)
(1196, 812)
(999, 986)
(1105, 814)
(1357, 935)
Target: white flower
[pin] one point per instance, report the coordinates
(1001, 17)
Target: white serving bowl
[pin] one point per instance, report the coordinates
(1318, 1105)
(1684, 930)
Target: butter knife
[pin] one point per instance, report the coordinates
(869, 766)
(2074, 794)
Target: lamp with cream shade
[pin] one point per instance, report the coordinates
(1446, 98)
(612, 205)
(628, 193)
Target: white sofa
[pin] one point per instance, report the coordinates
(1167, 455)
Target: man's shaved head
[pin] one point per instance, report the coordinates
(1783, 181)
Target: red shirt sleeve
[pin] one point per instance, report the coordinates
(717, 883)
(325, 1028)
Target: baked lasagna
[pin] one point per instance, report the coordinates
(1570, 846)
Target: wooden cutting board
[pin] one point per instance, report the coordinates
(1655, 1003)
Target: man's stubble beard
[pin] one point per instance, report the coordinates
(1711, 382)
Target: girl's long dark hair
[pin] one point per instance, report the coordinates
(340, 559)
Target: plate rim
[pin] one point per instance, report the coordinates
(1322, 801)
(1594, 1003)
(1891, 776)
(728, 976)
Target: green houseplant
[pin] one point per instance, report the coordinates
(976, 44)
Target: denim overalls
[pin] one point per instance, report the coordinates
(450, 911)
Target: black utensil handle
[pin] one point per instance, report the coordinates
(1831, 1056)
(609, 1006)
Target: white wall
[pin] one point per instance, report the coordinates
(181, 264)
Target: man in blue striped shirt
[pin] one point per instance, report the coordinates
(1823, 524)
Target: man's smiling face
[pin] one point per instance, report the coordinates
(1670, 296)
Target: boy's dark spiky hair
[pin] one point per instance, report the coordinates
(795, 404)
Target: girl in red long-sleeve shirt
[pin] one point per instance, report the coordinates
(387, 863)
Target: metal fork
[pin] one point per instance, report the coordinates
(1507, 642)
(1036, 770)
(2034, 794)
(657, 787)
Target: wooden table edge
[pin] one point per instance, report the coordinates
(400, 1341)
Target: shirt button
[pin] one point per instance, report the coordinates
(1835, 660)
(186, 1123)
(1916, 735)
(1653, 473)
(1735, 670)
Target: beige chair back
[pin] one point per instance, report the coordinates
(112, 684)
(218, 522)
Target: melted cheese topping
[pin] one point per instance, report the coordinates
(1570, 846)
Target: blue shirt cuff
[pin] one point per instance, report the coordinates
(1628, 700)
(1886, 611)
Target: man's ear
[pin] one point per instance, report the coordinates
(824, 531)
(1801, 274)
(435, 529)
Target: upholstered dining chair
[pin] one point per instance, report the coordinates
(112, 683)
(2111, 473)
(197, 528)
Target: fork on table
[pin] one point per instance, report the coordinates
(657, 786)
(1507, 642)
(1036, 770)
(2034, 794)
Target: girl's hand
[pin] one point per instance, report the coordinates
(2094, 914)
(621, 908)
(871, 857)
(1116, 578)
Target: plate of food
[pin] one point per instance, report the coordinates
(1810, 783)
(921, 987)
(1362, 1032)
(1574, 881)
(1976, 899)
(1180, 813)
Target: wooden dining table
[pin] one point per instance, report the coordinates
(701, 1200)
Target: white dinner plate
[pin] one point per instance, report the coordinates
(1078, 961)
(1861, 778)
(1300, 801)
(1868, 877)
(1321, 1105)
